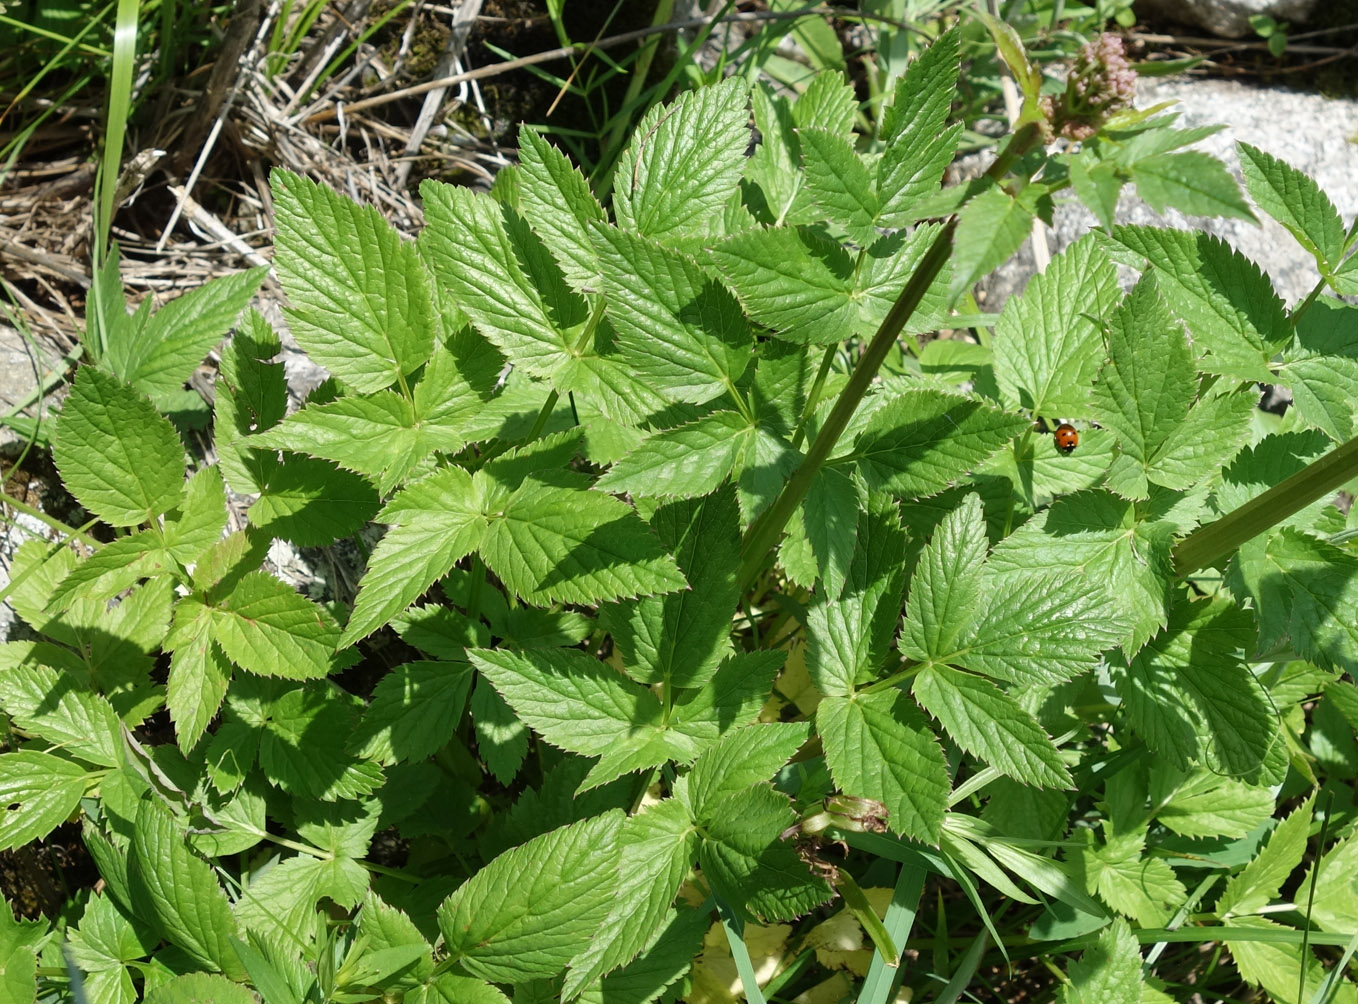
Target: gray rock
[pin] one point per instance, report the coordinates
(1227, 18)
(1312, 133)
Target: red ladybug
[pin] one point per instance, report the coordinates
(1066, 437)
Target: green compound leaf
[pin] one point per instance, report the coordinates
(1192, 182)
(682, 636)
(657, 849)
(919, 143)
(38, 792)
(738, 761)
(683, 462)
(534, 908)
(118, 456)
(361, 300)
(556, 199)
(163, 354)
(748, 863)
(1306, 592)
(549, 544)
(990, 227)
(252, 396)
(879, 746)
(312, 503)
(56, 706)
(1296, 201)
(988, 723)
(1325, 391)
(1036, 629)
(809, 289)
(178, 891)
(1049, 341)
(829, 518)
(1109, 971)
(1192, 697)
(1229, 305)
(1096, 538)
(199, 673)
(677, 328)
(571, 698)
(1260, 881)
(922, 441)
(683, 164)
(945, 592)
(301, 747)
(434, 523)
(415, 710)
(848, 637)
(1144, 395)
(501, 277)
(839, 183)
(267, 628)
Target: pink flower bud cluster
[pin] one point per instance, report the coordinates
(1100, 83)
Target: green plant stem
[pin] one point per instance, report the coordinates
(857, 902)
(740, 954)
(1209, 544)
(813, 396)
(764, 533)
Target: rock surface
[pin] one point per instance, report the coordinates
(1227, 18)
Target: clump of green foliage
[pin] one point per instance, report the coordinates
(672, 601)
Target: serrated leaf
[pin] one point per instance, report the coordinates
(501, 276)
(1038, 628)
(988, 723)
(848, 636)
(44, 702)
(1276, 966)
(1192, 182)
(549, 544)
(677, 328)
(945, 591)
(198, 677)
(1306, 592)
(302, 746)
(38, 792)
(176, 337)
(683, 462)
(501, 739)
(1109, 971)
(921, 441)
(180, 894)
(682, 164)
(251, 396)
(681, 637)
(657, 848)
(879, 746)
(838, 181)
(991, 226)
(434, 523)
(914, 128)
(117, 455)
(556, 199)
(830, 514)
(267, 628)
(361, 300)
(730, 700)
(749, 865)
(739, 760)
(1097, 538)
(534, 908)
(1048, 341)
(415, 710)
(374, 435)
(1256, 885)
(1293, 199)
(312, 503)
(1325, 392)
(572, 699)
(199, 987)
(1228, 304)
(1205, 804)
(1191, 696)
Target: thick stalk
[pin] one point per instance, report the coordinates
(1208, 544)
(763, 534)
